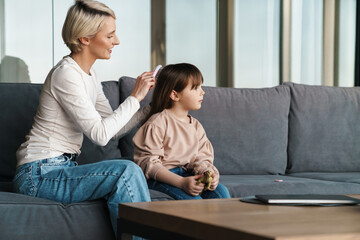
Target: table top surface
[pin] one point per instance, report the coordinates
(216, 218)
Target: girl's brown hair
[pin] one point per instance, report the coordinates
(173, 77)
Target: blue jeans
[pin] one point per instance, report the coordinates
(61, 180)
(220, 192)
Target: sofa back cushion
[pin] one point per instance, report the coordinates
(247, 127)
(324, 129)
(18, 104)
(91, 152)
(126, 85)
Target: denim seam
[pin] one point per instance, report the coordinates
(18, 174)
(85, 176)
(128, 188)
(123, 178)
(29, 176)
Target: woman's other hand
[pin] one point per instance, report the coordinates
(143, 84)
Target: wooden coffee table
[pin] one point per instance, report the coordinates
(233, 219)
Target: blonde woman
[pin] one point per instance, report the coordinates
(72, 103)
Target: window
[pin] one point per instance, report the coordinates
(346, 36)
(191, 35)
(31, 42)
(256, 43)
(306, 41)
(27, 38)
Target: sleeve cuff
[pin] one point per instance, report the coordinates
(134, 100)
(155, 170)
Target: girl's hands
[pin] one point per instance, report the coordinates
(215, 181)
(190, 187)
(143, 84)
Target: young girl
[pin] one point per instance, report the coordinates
(171, 147)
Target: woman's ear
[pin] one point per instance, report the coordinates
(84, 40)
(174, 96)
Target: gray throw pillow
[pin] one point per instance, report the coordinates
(324, 129)
(247, 127)
(126, 86)
(18, 104)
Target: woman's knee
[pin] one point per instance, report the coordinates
(130, 164)
(124, 163)
(127, 166)
(116, 166)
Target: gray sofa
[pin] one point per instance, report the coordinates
(291, 139)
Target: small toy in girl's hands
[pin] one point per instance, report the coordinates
(206, 179)
(156, 70)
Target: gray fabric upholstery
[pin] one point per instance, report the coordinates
(350, 177)
(324, 129)
(126, 86)
(25, 217)
(159, 196)
(18, 104)
(6, 186)
(249, 185)
(247, 127)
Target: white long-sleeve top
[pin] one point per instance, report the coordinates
(72, 103)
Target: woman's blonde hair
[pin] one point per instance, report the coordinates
(84, 19)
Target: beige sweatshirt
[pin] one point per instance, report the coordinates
(72, 103)
(166, 142)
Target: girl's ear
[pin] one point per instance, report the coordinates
(174, 96)
(84, 40)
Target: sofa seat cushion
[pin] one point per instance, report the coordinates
(159, 196)
(249, 185)
(25, 217)
(349, 177)
(248, 128)
(324, 129)
(155, 195)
